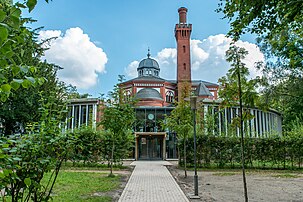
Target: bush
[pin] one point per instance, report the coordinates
(264, 153)
(88, 145)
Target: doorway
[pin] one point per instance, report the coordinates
(150, 147)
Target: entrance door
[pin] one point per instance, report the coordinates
(150, 147)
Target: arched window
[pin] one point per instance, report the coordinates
(184, 49)
(127, 95)
(184, 66)
(169, 96)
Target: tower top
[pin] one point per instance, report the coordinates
(148, 53)
(182, 15)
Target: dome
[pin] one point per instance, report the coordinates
(148, 63)
(148, 93)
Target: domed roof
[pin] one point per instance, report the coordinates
(148, 93)
(148, 63)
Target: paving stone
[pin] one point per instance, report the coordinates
(152, 182)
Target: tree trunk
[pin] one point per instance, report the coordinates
(242, 136)
(184, 157)
(112, 159)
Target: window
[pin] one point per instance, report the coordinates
(184, 66)
(184, 49)
(169, 96)
(127, 95)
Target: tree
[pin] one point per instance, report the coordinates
(21, 68)
(26, 158)
(117, 120)
(237, 90)
(180, 121)
(279, 23)
(279, 27)
(16, 48)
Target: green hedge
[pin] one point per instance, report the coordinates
(265, 153)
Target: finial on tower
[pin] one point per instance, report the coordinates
(148, 53)
(182, 15)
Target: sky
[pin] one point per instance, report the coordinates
(98, 40)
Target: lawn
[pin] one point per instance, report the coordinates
(84, 186)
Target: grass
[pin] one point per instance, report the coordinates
(84, 186)
(89, 166)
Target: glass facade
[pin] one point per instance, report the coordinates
(81, 114)
(151, 141)
(150, 119)
(262, 123)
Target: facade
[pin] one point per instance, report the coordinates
(156, 97)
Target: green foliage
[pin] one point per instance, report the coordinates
(229, 90)
(279, 27)
(123, 146)
(16, 48)
(278, 23)
(87, 145)
(27, 158)
(181, 121)
(286, 95)
(261, 153)
(23, 77)
(117, 120)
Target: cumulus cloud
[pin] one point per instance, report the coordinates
(80, 58)
(131, 69)
(207, 59)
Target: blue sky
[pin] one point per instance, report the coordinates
(98, 39)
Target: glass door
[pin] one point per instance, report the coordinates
(150, 147)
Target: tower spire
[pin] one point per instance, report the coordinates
(182, 34)
(148, 53)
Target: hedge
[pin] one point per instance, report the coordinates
(264, 153)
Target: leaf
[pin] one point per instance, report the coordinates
(14, 22)
(22, 52)
(6, 172)
(17, 159)
(26, 83)
(33, 69)
(15, 70)
(4, 25)
(41, 81)
(16, 12)
(18, 80)
(31, 4)
(3, 34)
(27, 181)
(20, 5)
(2, 15)
(31, 79)
(6, 88)
(24, 69)
(15, 85)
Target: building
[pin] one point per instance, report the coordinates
(156, 97)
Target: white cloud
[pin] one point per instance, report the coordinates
(207, 59)
(80, 58)
(131, 69)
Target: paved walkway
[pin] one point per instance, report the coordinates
(151, 181)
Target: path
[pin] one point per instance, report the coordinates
(151, 181)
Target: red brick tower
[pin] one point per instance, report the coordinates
(182, 34)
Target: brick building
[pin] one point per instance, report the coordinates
(156, 97)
